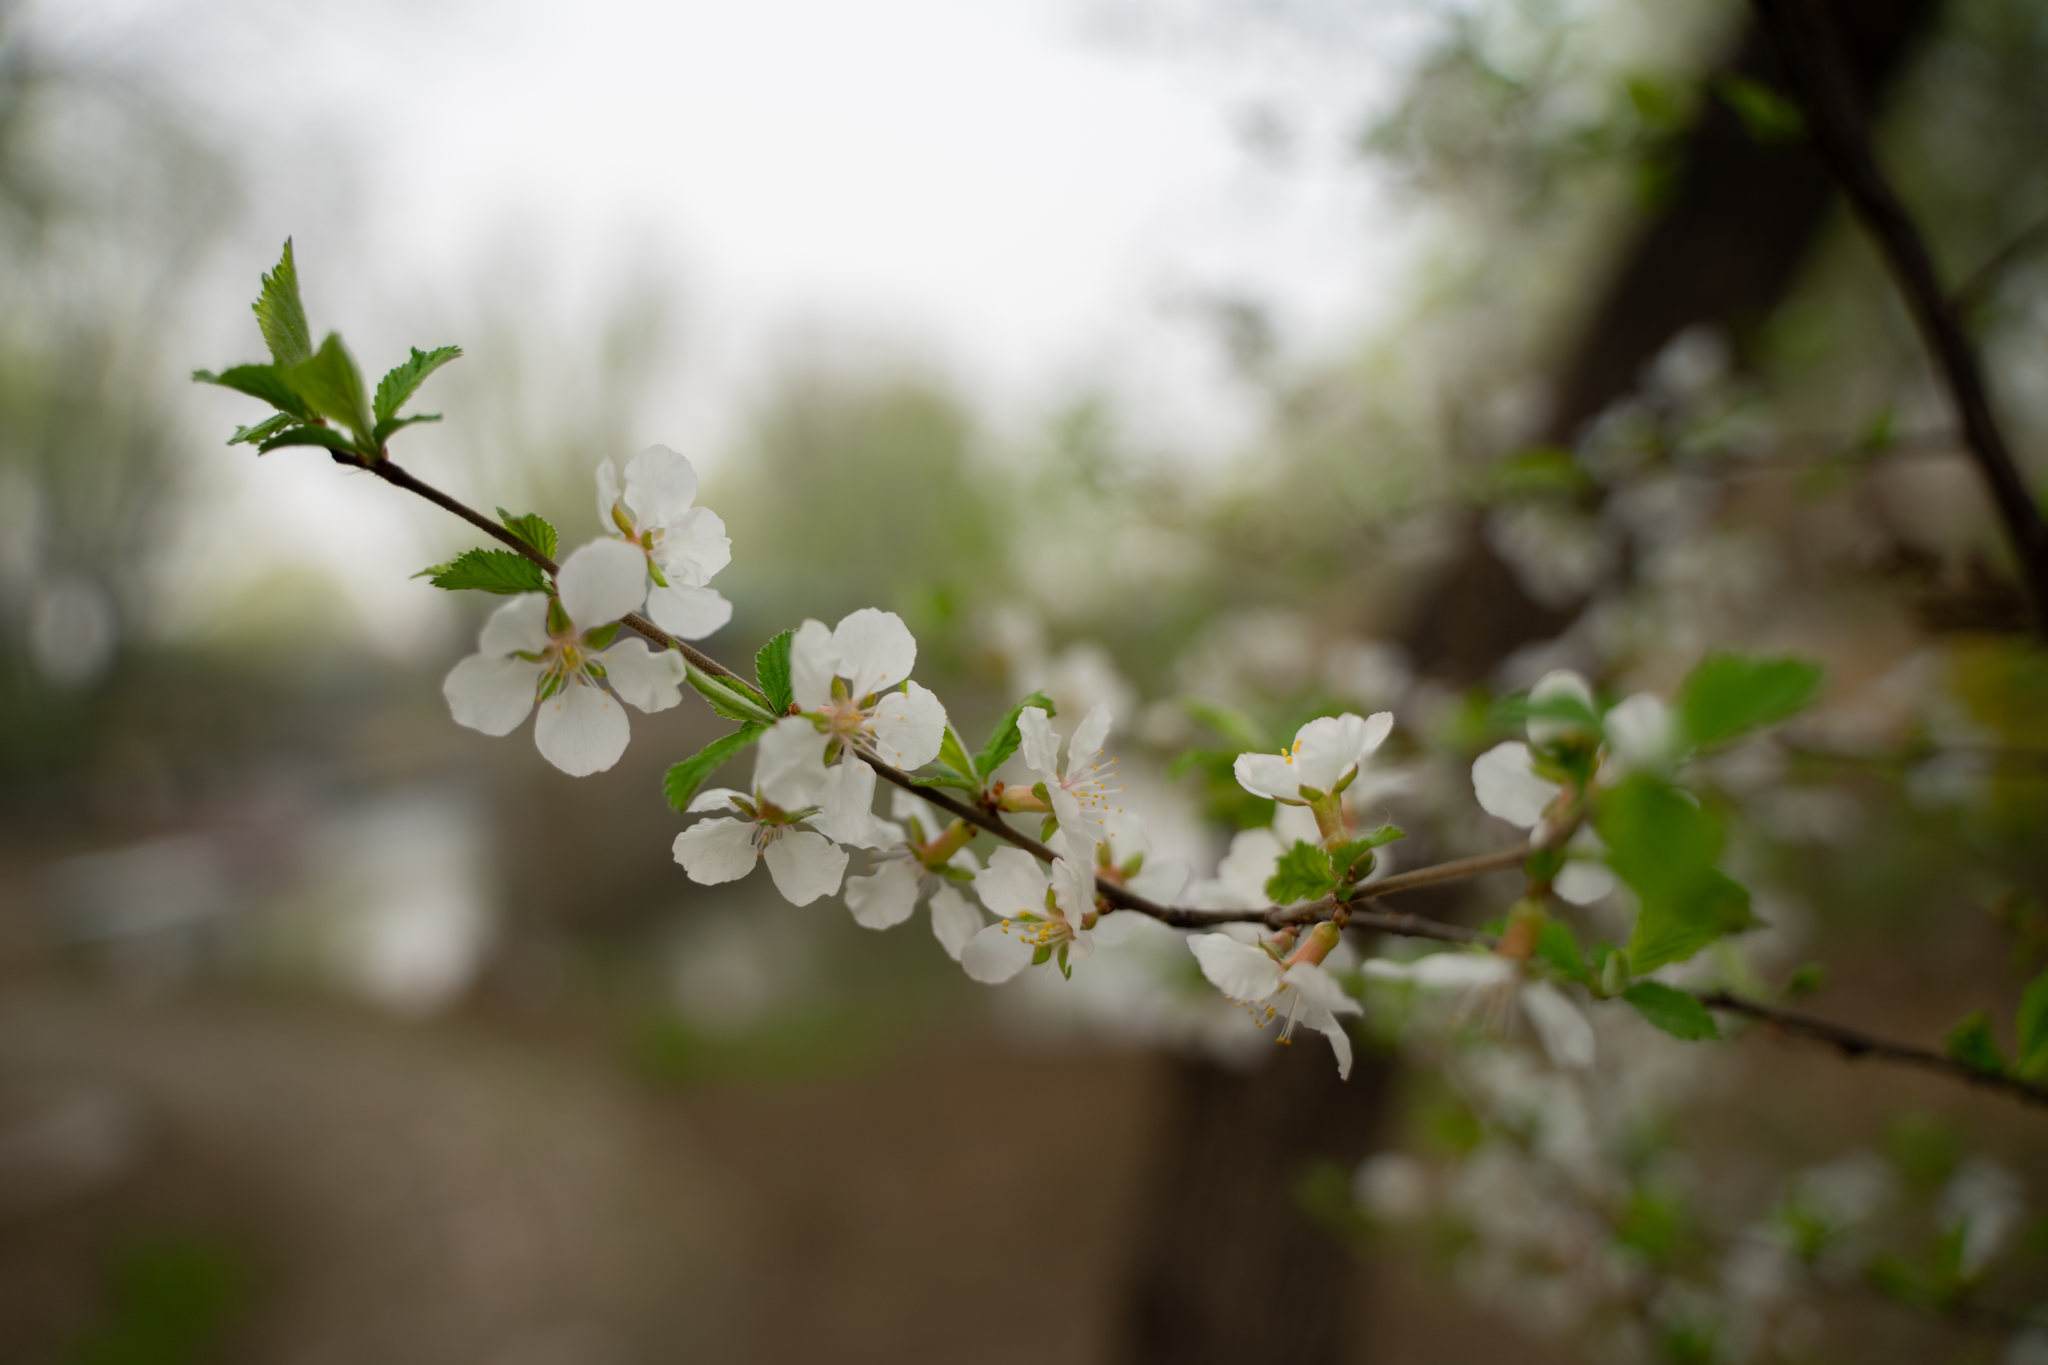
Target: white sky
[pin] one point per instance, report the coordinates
(993, 185)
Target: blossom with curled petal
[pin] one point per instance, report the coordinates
(795, 819)
(1079, 793)
(684, 545)
(1125, 858)
(1509, 787)
(1045, 917)
(902, 876)
(562, 654)
(1301, 993)
(1324, 758)
(1497, 990)
(853, 680)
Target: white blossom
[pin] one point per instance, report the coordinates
(684, 545)
(1324, 758)
(853, 679)
(1496, 989)
(888, 895)
(531, 652)
(1045, 916)
(1301, 994)
(1079, 792)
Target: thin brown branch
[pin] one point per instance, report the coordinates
(1848, 1041)
(1804, 39)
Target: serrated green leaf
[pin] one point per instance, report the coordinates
(332, 386)
(945, 777)
(2033, 1029)
(263, 430)
(1304, 873)
(1556, 945)
(307, 436)
(534, 529)
(1677, 1013)
(385, 430)
(730, 697)
(1348, 857)
(1664, 845)
(953, 754)
(1004, 738)
(771, 670)
(682, 780)
(1972, 1044)
(265, 382)
(281, 315)
(403, 380)
(499, 571)
(1729, 695)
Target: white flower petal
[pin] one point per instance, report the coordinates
(804, 864)
(1243, 874)
(1378, 726)
(846, 805)
(954, 920)
(1508, 787)
(608, 494)
(714, 851)
(602, 581)
(813, 663)
(1332, 1028)
(688, 613)
(714, 798)
(582, 729)
(1269, 775)
(996, 954)
(1440, 971)
(1011, 884)
(1040, 743)
(1160, 880)
(1640, 734)
(908, 727)
(491, 694)
(1559, 685)
(1319, 989)
(789, 763)
(1327, 747)
(1582, 882)
(694, 548)
(1564, 1032)
(876, 650)
(1073, 886)
(520, 626)
(650, 680)
(1242, 971)
(660, 486)
(1087, 741)
(885, 897)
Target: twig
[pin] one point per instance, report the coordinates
(1850, 1042)
(1808, 48)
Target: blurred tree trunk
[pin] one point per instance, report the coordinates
(1223, 1224)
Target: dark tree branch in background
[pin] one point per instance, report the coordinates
(1972, 293)
(1807, 44)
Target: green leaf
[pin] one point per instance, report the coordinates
(281, 316)
(945, 777)
(1556, 946)
(1234, 725)
(534, 529)
(682, 780)
(499, 571)
(402, 380)
(1729, 695)
(333, 386)
(1664, 846)
(1004, 738)
(1971, 1043)
(266, 382)
(307, 436)
(1347, 857)
(2033, 1029)
(1537, 472)
(263, 430)
(385, 430)
(953, 755)
(1304, 873)
(1767, 116)
(771, 670)
(730, 697)
(1677, 1013)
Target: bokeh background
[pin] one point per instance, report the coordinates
(1180, 354)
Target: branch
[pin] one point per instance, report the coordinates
(1803, 39)
(1848, 1041)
